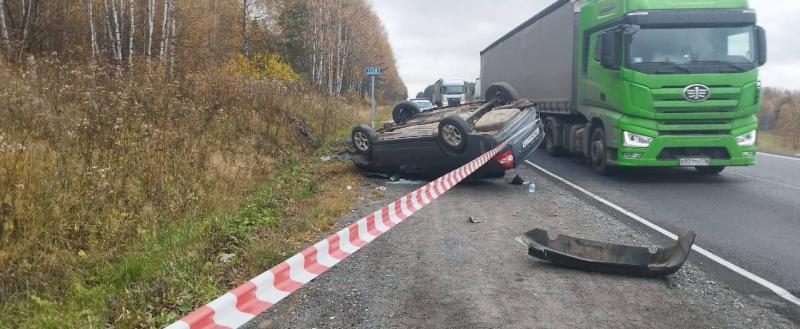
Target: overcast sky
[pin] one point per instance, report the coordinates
(443, 38)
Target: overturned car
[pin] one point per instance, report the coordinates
(437, 141)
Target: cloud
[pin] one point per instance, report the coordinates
(435, 39)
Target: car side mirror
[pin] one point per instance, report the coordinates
(761, 40)
(609, 50)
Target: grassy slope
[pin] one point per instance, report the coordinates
(120, 196)
(771, 142)
(178, 268)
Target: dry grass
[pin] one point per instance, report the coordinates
(772, 142)
(113, 188)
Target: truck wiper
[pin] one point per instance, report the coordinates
(729, 64)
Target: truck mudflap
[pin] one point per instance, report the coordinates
(608, 258)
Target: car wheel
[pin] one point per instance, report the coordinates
(453, 131)
(502, 92)
(404, 111)
(598, 152)
(363, 138)
(713, 170)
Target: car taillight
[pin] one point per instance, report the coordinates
(505, 159)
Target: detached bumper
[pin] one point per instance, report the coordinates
(608, 258)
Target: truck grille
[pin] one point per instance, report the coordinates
(670, 99)
(675, 153)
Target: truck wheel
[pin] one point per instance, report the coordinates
(453, 131)
(549, 140)
(404, 111)
(502, 92)
(363, 138)
(713, 170)
(598, 152)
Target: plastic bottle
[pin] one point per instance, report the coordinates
(532, 189)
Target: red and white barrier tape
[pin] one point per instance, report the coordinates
(245, 302)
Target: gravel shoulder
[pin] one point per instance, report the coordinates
(437, 269)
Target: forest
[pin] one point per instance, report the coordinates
(779, 120)
(142, 140)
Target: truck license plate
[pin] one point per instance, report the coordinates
(695, 162)
(530, 138)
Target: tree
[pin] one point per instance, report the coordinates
(131, 32)
(4, 41)
(92, 34)
(151, 14)
(246, 12)
(332, 41)
(165, 28)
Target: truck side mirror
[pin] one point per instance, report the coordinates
(761, 40)
(609, 47)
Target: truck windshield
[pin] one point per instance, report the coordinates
(693, 50)
(453, 90)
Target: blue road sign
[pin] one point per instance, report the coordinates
(372, 71)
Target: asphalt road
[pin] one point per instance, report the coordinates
(438, 270)
(747, 215)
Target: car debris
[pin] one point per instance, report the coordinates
(225, 257)
(406, 182)
(608, 258)
(517, 180)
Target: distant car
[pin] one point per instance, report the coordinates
(423, 104)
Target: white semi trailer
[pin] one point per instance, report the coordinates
(449, 92)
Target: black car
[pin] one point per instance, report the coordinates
(433, 143)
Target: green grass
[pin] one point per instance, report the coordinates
(172, 271)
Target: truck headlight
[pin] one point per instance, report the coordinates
(748, 139)
(636, 140)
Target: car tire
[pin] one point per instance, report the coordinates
(363, 139)
(404, 111)
(453, 131)
(549, 140)
(502, 92)
(598, 151)
(713, 170)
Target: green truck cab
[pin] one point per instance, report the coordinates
(661, 83)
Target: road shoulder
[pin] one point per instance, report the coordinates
(437, 269)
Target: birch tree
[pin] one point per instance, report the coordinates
(28, 8)
(117, 34)
(4, 41)
(246, 6)
(165, 29)
(151, 13)
(131, 32)
(92, 34)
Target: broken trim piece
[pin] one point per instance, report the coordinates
(609, 258)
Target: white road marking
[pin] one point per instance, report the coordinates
(783, 293)
(778, 156)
